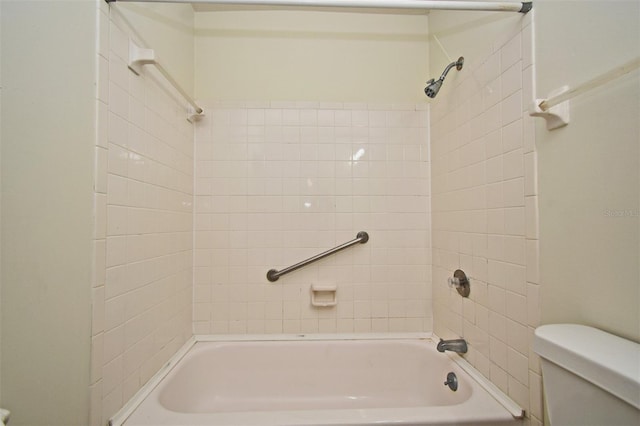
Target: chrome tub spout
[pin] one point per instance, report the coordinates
(455, 345)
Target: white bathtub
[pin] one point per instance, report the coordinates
(318, 382)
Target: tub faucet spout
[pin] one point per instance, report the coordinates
(455, 345)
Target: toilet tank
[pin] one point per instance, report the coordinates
(590, 377)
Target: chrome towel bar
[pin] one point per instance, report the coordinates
(273, 274)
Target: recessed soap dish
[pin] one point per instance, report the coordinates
(324, 295)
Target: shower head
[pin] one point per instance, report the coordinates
(433, 86)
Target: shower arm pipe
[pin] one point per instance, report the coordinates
(457, 64)
(488, 6)
(361, 238)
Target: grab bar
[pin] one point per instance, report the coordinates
(273, 274)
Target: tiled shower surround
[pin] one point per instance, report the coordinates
(182, 249)
(278, 182)
(484, 205)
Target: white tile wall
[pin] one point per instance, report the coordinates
(484, 206)
(278, 182)
(142, 284)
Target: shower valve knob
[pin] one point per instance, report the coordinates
(460, 282)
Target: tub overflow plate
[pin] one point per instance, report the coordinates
(452, 381)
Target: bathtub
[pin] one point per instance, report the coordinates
(307, 380)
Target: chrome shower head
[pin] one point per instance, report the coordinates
(433, 85)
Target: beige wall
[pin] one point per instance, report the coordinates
(48, 116)
(589, 170)
(312, 56)
(55, 177)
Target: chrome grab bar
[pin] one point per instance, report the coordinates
(273, 274)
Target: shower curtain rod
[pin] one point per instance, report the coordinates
(490, 6)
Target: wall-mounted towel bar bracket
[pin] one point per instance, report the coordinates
(273, 274)
(139, 56)
(555, 108)
(556, 116)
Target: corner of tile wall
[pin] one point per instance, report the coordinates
(143, 191)
(485, 216)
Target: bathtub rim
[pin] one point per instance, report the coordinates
(119, 418)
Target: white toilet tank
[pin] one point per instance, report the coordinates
(590, 377)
